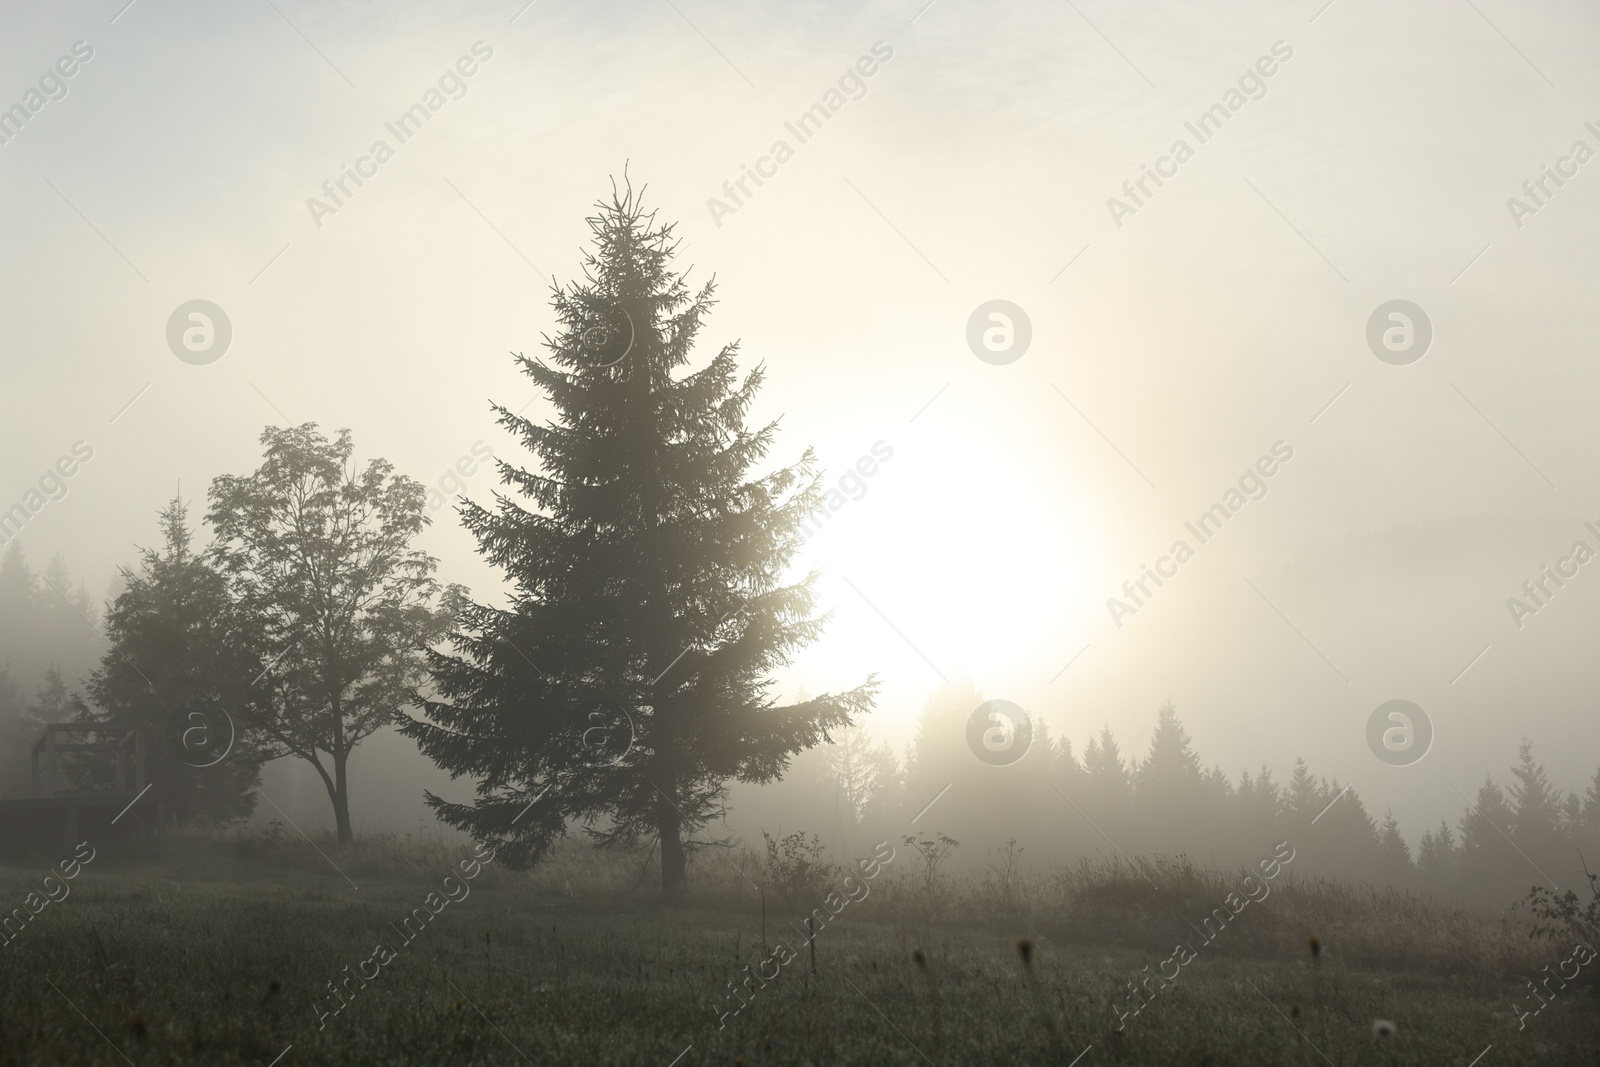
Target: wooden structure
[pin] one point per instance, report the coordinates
(129, 751)
(58, 814)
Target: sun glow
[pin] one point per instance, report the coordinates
(996, 583)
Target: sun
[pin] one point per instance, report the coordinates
(926, 585)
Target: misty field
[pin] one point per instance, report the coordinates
(222, 951)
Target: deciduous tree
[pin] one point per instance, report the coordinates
(327, 588)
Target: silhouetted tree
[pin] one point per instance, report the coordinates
(1570, 827)
(1490, 869)
(24, 722)
(1340, 837)
(18, 731)
(1394, 857)
(1535, 811)
(178, 669)
(860, 773)
(648, 569)
(45, 625)
(1438, 861)
(1588, 835)
(1215, 833)
(1065, 767)
(1066, 835)
(1305, 798)
(1345, 840)
(1260, 805)
(939, 754)
(53, 703)
(18, 585)
(1172, 767)
(1167, 786)
(1108, 790)
(45, 619)
(1140, 809)
(327, 589)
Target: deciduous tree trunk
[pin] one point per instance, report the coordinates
(340, 794)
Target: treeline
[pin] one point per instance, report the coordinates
(618, 677)
(298, 630)
(1060, 803)
(48, 644)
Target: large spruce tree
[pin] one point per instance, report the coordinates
(627, 678)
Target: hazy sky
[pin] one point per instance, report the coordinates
(1220, 317)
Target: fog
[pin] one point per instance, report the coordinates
(1179, 332)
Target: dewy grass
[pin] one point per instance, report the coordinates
(1143, 990)
(781, 955)
(455, 890)
(211, 954)
(15, 921)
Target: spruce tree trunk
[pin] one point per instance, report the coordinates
(673, 858)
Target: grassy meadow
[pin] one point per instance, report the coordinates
(221, 951)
